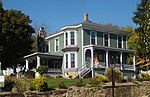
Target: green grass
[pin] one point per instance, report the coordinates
(53, 82)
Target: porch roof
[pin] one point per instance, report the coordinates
(110, 48)
(40, 54)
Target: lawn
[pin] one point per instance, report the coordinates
(53, 82)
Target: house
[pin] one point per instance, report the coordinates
(85, 48)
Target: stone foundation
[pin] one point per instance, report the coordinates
(121, 90)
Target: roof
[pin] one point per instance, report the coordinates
(92, 26)
(40, 54)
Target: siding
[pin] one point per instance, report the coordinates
(113, 40)
(100, 38)
(79, 42)
(61, 45)
(86, 37)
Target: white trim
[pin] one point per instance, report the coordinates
(55, 44)
(67, 27)
(95, 37)
(27, 64)
(106, 58)
(126, 43)
(53, 35)
(117, 41)
(49, 46)
(38, 62)
(83, 54)
(108, 40)
(122, 42)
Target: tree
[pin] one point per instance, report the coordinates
(142, 33)
(142, 19)
(16, 36)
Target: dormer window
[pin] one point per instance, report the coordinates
(93, 38)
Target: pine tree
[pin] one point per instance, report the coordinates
(142, 20)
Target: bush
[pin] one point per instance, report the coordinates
(145, 76)
(40, 83)
(9, 83)
(30, 74)
(100, 78)
(61, 85)
(97, 80)
(42, 69)
(79, 83)
(117, 74)
(22, 84)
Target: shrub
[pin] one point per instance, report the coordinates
(9, 83)
(40, 83)
(22, 84)
(79, 83)
(61, 85)
(30, 74)
(100, 78)
(97, 80)
(42, 69)
(145, 76)
(117, 74)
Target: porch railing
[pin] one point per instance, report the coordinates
(123, 66)
(54, 70)
(100, 65)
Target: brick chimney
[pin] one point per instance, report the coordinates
(86, 17)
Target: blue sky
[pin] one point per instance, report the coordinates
(55, 14)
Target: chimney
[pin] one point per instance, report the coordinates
(86, 17)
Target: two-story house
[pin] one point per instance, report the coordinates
(89, 47)
(84, 48)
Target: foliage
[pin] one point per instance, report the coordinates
(142, 19)
(9, 83)
(16, 36)
(62, 85)
(145, 76)
(42, 69)
(79, 83)
(117, 74)
(22, 84)
(40, 83)
(30, 74)
(97, 80)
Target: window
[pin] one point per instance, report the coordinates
(56, 44)
(66, 60)
(72, 60)
(93, 38)
(119, 42)
(72, 38)
(105, 39)
(66, 34)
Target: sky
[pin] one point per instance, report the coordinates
(55, 14)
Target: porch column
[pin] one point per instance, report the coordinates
(106, 58)
(92, 65)
(134, 62)
(121, 60)
(38, 62)
(27, 65)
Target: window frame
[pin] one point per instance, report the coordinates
(72, 60)
(56, 45)
(93, 38)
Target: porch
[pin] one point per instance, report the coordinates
(33, 61)
(102, 57)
